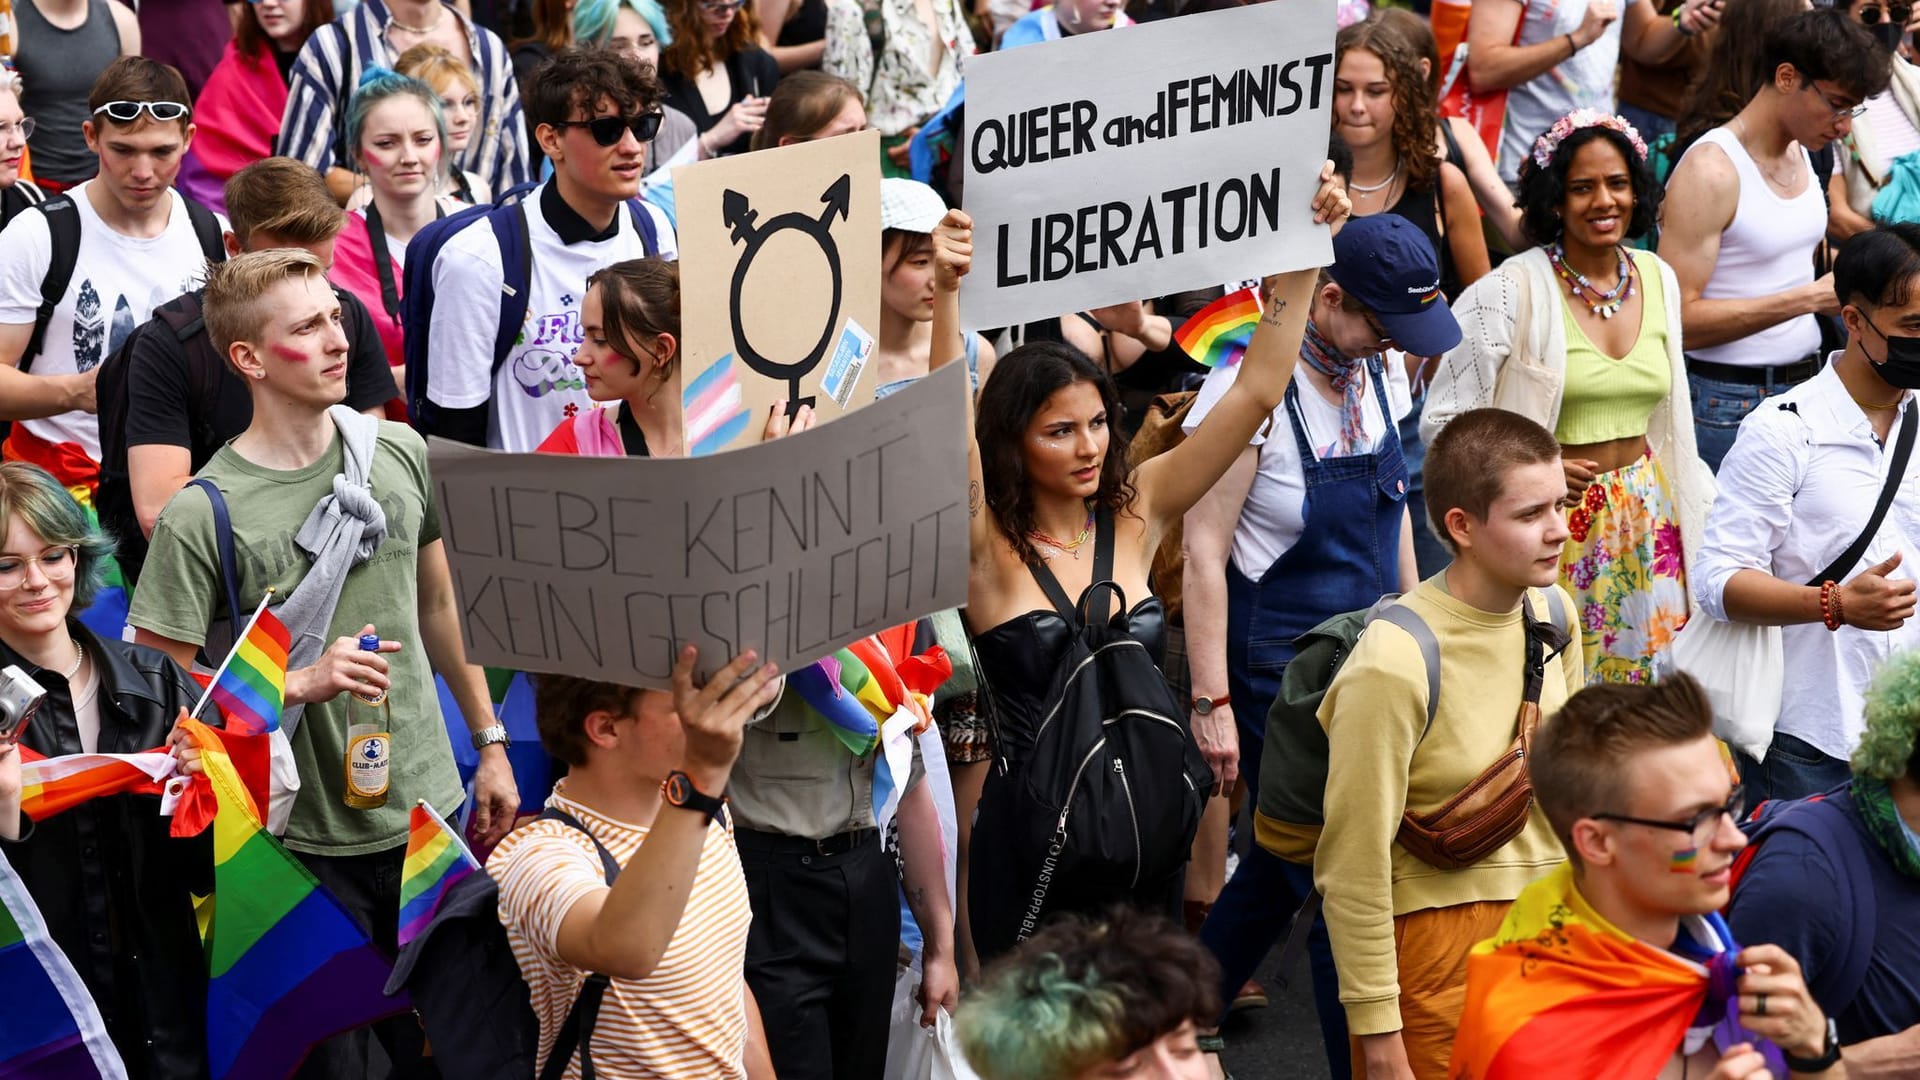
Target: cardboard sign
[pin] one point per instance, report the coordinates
(780, 271)
(605, 567)
(1140, 161)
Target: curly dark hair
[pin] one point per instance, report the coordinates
(1414, 107)
(577, 78)
(1543, 191)
(1022, 382)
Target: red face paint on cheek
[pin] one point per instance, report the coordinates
(288, 353)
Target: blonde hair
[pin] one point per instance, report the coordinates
(435, 66)
(232, 304)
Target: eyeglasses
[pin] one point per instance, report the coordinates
(1373, 324)
(22, 126)
(1873, 13)
(606, 129)
(721, 7)
(1839, 111)
(126, 112)
(1701, 826)
(56, 564)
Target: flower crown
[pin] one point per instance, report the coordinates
(1545, 145)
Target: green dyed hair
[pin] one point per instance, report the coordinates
(49, 510)
(1079, 994)
(1886, 750)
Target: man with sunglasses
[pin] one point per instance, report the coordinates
(593, 112)
(1617, 963)
(1888, 129)
(1745, 214)
(127, 243)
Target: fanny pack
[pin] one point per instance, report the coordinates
(1493, 807)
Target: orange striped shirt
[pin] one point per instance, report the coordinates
(686, 1019)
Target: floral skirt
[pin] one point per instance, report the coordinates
(1624, 568)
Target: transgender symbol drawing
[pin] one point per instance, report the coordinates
(741, 217)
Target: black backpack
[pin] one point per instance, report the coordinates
(1111, 789)
(472, 1000)
(63, 228)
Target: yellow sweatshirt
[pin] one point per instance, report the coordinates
(1373, 714)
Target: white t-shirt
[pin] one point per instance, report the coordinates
(117, 282)
(538, 380)
(1273, 517)
(1583, 80)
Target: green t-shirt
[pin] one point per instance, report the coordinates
(180, 594)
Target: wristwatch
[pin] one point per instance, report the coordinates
(1205, 705)
(679, 791)
(493, 733)
(1828, 1058)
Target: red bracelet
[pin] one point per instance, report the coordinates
(1830, 613)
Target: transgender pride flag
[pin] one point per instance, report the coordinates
(714, 409)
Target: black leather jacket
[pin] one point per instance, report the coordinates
(112, 884)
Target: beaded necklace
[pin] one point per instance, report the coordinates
(1604, 304)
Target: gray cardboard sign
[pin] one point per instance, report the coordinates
(605, 567)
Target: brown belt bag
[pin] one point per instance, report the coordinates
(1493, 807)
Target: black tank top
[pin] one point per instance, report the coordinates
(1422, 207)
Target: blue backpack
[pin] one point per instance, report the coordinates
(508, 218)
(1819, 819)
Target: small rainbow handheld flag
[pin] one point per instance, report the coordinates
(436, 858)
(1217, 335)
(251, 685)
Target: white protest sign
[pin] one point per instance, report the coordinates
(605, 567)
(1140, 161)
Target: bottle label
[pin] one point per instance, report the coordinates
(367, 757)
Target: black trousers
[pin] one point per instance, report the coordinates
(368, 887)
(822, 954)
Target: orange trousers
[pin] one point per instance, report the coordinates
(1432, 947)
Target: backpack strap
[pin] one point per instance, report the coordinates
(1102, 566)
(643, 224)
(1057, 595)
(63, 232)
(1416, 627)
(382, 261)
(577, 1029)
(516, 264)
(223, 539)
(1823, 822)
(1896, 471)
(207, 230)
(205, 369)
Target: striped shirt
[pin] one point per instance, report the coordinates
(327, 72)
(689, 1017)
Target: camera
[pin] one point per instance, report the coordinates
(20, 698)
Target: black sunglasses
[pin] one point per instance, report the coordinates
(1899, 13)
(606, 129)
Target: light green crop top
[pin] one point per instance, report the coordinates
(1603, 398)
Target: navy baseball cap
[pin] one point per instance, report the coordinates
(1386, 263)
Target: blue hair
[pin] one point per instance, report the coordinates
(50, 510)
(593, 20)
(379, 84)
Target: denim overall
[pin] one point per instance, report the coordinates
(1346, 557)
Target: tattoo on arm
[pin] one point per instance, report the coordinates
(1275, 308)
(974, 499)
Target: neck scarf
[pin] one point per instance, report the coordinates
(1349, 375)
(1882, 819)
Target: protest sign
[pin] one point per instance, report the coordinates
(1146, 160)
(605, 567)
(780, 268)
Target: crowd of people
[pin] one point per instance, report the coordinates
(1611, 373)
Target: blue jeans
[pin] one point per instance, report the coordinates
(1794, 769)
(1718, 408)
(1650, 125)
(1253, 913)
(1429, 553)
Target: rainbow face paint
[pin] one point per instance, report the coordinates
(1683, 862)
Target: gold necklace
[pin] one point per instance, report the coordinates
(420, 30)
(1051, 547)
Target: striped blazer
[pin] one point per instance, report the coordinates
(328, 70)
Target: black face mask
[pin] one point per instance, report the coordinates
(1902, 363)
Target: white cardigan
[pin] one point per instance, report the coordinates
(1485, 369)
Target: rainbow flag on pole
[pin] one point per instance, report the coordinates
(1217, 335)
(49, 1027)
(251, 685)
(286, 967)
(436, 858)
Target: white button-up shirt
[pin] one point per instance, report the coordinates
(1795, 492)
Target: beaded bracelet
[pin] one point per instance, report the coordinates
(1830, 613)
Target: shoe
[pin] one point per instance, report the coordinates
(1251, 996)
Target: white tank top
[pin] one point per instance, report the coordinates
(1766, 249)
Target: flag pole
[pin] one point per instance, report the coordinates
(452, 833)
(207, 693)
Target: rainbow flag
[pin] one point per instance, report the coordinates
(1217, 335)
(856, 689)
(51, 785)
(49, 1027)
(436, 858)
(1560, 991)
(714, 407)
(251, 687)
(286, 967)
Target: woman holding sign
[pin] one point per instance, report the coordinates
(1054, 514)
(109, 863)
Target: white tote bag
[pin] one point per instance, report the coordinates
(1738, 665)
